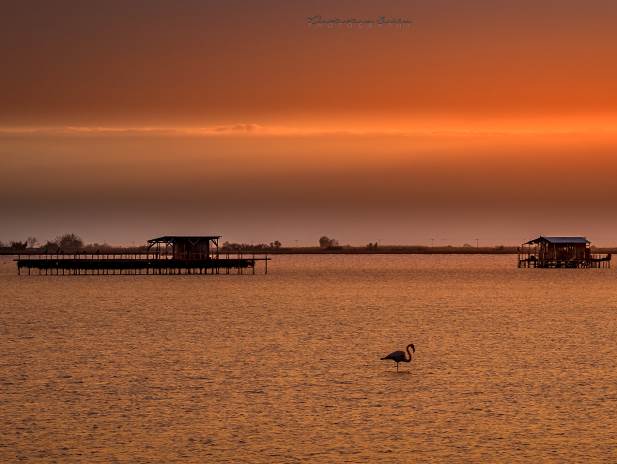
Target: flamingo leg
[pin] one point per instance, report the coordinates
(396, 367)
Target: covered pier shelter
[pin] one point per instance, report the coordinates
(166, 255)
(560, 252)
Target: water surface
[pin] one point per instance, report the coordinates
(512, 365)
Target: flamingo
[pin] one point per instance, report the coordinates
(399, 356)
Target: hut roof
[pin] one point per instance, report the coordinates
(180, 238)
(559, 240)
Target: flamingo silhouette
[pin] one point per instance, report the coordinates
(399, 356)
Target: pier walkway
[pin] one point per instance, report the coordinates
(134, 263)
(168, 255)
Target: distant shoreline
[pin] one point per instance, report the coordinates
(401, 250)
(390, 250)
(343, 250)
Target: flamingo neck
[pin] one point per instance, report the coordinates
(408, 354)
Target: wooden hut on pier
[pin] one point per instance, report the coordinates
(560, 252)
(187, 247)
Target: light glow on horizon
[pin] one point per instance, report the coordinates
(592, 125)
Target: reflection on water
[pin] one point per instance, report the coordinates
(511, 365)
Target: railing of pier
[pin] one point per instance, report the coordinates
(151, 260)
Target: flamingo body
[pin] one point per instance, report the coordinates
(401, 356)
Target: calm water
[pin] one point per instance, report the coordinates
(511, 365)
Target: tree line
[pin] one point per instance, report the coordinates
(71, 242)
(65, 243)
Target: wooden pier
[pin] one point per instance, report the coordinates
(169, 255)
(560, 252)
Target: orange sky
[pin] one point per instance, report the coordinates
(469, 123)
(220, 62)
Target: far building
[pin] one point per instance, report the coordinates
(187, 247)
(560, 252)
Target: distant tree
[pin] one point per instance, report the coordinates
(228, 246)
(466, 245)
(98, 247)
(69, 242)
(326, 242)
(16, 245)
(51, 247)
(31, 241)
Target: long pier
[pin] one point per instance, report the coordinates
(146, 263)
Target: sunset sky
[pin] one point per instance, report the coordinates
(124, 120)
